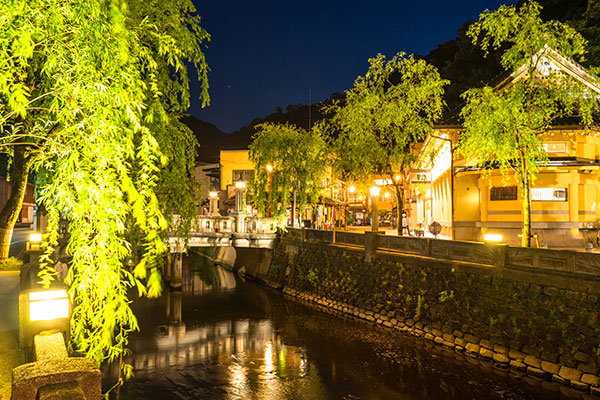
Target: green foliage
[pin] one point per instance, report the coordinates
(299, 160)
(10, 263)
(504, 126)
(446, 295)
(384, 115)
(274, 271)
(93, 91)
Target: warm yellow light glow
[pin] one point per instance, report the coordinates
(269, 366)
(48, 304)
(35, 237)
(351, 189)
(442, 162)
(213, 194)
(382, 182)
(269, 168)
(240, 184)
(492, 237)
(397, 178)
(386, 195)
(360, 198)
(428, 194)
(374, 190)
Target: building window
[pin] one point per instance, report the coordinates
(246, 175)
(549, 194)
(503, 193)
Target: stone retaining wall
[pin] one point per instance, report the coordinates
(542, 322)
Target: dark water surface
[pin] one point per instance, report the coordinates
(223, 338)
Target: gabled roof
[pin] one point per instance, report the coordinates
(549, 61)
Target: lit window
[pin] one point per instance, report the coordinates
(549, 194)
(555, 147)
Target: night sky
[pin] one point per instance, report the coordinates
(265, 54)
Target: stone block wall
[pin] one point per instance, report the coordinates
(545, 323)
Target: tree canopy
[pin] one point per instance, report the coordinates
(504, 126)
(90, 92)
(383, 116)
(298, 160)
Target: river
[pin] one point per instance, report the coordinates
(222, 337)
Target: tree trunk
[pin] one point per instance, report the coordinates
(526, 195)
(10, 212)
(400, 207)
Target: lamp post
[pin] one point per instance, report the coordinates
(269, 168)
(374, 190)
(240, 205)
(240, 187)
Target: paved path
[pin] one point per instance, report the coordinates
(9, 300)
(10, 354)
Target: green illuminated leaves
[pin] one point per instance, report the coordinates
(300, 163)
(384, 115)
(94, 91)
(504, 126)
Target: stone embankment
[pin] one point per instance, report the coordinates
(540, 319)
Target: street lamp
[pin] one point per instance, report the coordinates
(374, 190)
(240, 186)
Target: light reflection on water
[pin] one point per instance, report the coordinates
(222, 338)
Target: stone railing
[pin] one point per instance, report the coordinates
(502, 255)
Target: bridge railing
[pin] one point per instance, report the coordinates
(502, 255)
(260, 225)
(213, 224)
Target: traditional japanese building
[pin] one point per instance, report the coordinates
(468, 203)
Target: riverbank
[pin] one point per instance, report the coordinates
(541, 323)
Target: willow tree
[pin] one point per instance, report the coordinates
(89, 93)
(287, 161)
(383, 116)
(504, 126)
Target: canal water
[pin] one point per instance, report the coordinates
(221, 337)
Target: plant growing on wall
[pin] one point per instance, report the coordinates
(287, 160)
(383, 116)
(90, 93)
(504, 125)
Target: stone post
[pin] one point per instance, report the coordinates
(176, 271)
(213, 203)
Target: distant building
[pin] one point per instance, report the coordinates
(26, 215)
(208, 175)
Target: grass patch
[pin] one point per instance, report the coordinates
(10, 264)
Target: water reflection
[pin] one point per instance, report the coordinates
(222, 338)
